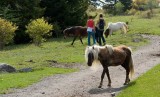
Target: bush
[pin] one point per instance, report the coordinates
(132, 11)
(119, 8)
(57, 30)
(7, 30)
(36, 29)
(146, 14)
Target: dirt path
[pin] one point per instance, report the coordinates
(85, 82)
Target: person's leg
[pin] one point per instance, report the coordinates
(99, 35)
(89, 34)
(93, 36)
(103, 39)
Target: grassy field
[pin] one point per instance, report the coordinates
(20, 80)
(60, 50)
(146, 85)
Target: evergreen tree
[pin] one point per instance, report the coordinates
(20, 12)
(66, 12)
(127, 4)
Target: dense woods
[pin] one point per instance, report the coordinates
(61, 13)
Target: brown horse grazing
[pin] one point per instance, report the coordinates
(76, 31)
(110, 56)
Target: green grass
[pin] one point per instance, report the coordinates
(139, 25)
(19, 80)
(146, 85)
(60, 50)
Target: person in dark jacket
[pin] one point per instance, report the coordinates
(100, 25)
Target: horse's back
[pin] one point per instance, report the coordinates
(123, 48)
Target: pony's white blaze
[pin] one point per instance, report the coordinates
(95, 50)
(96, 65)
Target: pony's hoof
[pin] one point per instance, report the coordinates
(126, 83)
(109, 85)
(99, 86)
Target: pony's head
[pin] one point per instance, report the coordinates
(91, 54)
(107, 32)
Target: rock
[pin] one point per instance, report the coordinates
(6, 68)
(136, 40)
(113, 94)
(26, 69)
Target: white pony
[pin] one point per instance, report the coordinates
(112, 27)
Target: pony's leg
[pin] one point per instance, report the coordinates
(74, 40)
(81, 39)
(109, 79)
(110, 32)
(102, 77)
(127, 80)
(127, 77)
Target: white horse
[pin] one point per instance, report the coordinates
(113, 27)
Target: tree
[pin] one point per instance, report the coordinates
(127, 4)
(7, 30)
(37, 28)
(20, 12)
(66, 12)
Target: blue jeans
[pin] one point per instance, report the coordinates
(101, 37)
(89, 36)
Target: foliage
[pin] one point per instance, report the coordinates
(127, 4)
(110, 9)
(119, 8)
(64, 12)
(57, 30)
(7, 30)
(20, 12)
(37, 28)
(67, 13)
(144, 5)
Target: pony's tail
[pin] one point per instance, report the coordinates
(131, 67)
(125, 27)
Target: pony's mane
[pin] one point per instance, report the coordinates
(109, 25)
(94, 49)
(110, 49)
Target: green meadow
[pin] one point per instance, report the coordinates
(60, 50)
(146, 85)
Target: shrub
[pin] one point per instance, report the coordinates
(119, 8)
(132, 11)
(146, 14)
(7, 30)
(37, 28)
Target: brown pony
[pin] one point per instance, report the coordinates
(110, 56)
(75, 31)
